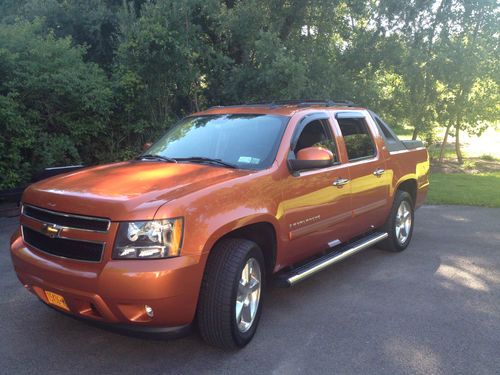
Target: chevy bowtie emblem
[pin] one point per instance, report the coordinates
(51, 230)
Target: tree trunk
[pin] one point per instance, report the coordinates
(443, 145)
(415, 133)
(457, 144)
(195, 100)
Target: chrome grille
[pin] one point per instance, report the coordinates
(63, 247)
(94, 224)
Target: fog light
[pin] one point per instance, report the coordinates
(149, 311)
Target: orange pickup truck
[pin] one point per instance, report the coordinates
(227, 200)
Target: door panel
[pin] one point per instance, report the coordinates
(315, 212)
(369, 194)
(370, 183)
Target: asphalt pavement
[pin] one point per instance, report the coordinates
(433, 309)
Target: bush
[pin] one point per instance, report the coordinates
(52, 104)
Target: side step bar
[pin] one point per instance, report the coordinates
(342, 252)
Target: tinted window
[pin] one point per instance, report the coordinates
(391, 139)
(247, 141)
(357, 138)
(385, 131)
(316, 134)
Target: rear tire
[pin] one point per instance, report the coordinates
(399, 224)
(230, 289)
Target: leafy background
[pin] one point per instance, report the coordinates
(88, 81)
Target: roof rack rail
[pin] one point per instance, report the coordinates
(296, 102)
(311, 102)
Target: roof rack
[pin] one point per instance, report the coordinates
(312, 102)
(295, 102)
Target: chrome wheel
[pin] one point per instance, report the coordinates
(248, 296)
(403, 222)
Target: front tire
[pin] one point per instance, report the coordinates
(399, 225)
(230, 301)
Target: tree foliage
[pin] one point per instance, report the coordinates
(91, 80)
(52, 103)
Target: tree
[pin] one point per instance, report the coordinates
(74, 70)
(165, 52)
(47, 89)
(468, 72)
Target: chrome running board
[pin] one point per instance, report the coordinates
(338, 254)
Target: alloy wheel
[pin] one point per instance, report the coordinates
(248, 295)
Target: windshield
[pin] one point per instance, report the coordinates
(245, 141)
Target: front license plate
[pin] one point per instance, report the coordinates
(56, 300)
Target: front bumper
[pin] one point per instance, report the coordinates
(136, 330)
(115, 291)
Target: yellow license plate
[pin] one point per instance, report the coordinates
(56, 300)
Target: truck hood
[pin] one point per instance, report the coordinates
(124, 191)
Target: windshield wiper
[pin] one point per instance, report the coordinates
(202, 159)
(156, 157)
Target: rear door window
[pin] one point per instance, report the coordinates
(358, 139)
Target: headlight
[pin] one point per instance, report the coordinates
(149, 239)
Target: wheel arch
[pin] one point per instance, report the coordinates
(408, 185)
(260, 230)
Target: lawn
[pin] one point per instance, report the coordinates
(465, 189)
(403, 133)
(476, 182)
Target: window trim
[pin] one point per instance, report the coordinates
(303, 122)
(349, 114)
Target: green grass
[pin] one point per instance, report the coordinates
(403, 133)
(449, 152)
(487, 157)
(465, 189)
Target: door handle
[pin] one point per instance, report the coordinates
(378, 172)
(339, 182)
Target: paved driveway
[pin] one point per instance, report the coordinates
(434, 308)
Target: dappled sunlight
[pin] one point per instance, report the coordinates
(412, 354)
(468, 264)
(457, 218)
(464, 272)
(454, 275)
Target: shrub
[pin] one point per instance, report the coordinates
(52, 103)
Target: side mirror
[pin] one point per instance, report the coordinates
(311, 158)
(146, 145)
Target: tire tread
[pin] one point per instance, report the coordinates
(214, 311)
